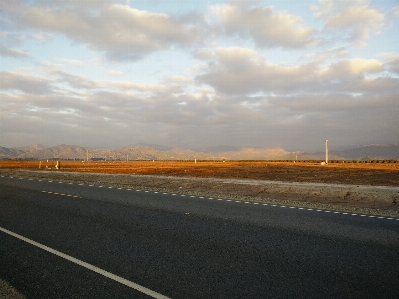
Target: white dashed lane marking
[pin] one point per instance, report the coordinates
(60, 194)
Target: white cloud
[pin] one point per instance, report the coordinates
(267, 28)
(352, 66)
(394, 12)
(203, 53)
(326, 54)
(43, 36)
(16, 53)
(356, 17)
(240, 71)
(391, 62)
(51, 64)
(308, 103)
(75, 81)
(122, 32)
(234, 54)
(13, 39)
(26, 83)
(124, 86)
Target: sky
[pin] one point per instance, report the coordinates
(197, 74)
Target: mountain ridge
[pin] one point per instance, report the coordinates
(158, 152)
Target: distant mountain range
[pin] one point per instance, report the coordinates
(156, 152)
(364, 152)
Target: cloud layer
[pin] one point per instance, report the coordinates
(122, 32)
(265, 26)
(107, 74)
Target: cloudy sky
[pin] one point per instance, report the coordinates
(195, 74)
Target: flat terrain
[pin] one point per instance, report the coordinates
(382, 174)
(373, 187)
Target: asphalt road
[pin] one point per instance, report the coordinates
(186, 247)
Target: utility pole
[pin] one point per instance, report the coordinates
(326, 152)
(87, 155)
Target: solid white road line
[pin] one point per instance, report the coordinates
(119, 279)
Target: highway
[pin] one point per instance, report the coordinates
(64, 240)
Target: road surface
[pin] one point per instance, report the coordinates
(63, 240)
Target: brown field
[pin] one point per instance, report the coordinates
(386, 173)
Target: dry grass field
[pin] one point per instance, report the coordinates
(344, 173)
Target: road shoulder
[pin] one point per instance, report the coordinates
(377, 200)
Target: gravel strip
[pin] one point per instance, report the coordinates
(8, 292)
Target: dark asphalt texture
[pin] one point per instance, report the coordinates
(189, 247)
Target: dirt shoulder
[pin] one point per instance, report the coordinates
(366, 199)
(8, 292)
